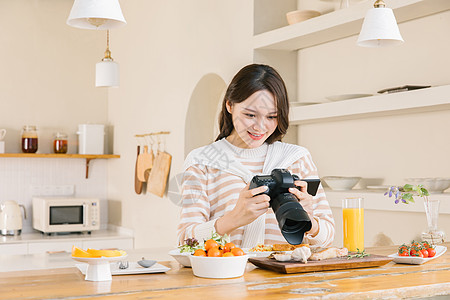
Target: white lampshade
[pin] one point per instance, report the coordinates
(96, 14)
(107, 73)
(379, 29)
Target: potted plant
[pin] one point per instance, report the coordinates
(405, 194)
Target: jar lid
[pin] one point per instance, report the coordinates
(61, 135)
(29, 127)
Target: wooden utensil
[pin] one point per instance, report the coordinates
(322, 265)
(159, 173)
(144, 164)
(137, 183)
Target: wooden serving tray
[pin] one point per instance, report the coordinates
(288, 267)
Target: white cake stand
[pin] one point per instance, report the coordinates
(98, 268)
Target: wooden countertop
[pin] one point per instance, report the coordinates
(389, 281)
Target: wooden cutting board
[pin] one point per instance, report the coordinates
(159, 173)
(317, 266)
(144, 164)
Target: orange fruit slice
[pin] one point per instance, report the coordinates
(78, 252)
(105, 253)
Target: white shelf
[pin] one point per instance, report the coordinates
(375, 200)
(340, 24)
(428, 99)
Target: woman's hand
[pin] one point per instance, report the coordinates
(306, 200)
(249, 207)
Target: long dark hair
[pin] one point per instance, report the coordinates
(249, 80)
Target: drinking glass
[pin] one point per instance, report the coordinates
(353, 223)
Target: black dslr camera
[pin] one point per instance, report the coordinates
(292, 218)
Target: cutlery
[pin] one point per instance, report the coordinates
(123, 265)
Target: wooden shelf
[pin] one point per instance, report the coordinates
(340, 24)
(87, 157)
(53, 155)
(428, 99)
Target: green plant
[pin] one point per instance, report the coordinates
(406, 193)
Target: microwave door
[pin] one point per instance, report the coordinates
(67, 215)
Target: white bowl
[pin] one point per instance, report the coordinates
(341, 183)
(182, 258)
(300, 15)
(433, 185)
(218, 267)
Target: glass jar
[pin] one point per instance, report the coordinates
(29, 139)
(60, 143)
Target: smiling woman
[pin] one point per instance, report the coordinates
(215, 192)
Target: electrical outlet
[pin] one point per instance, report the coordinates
(52, 190)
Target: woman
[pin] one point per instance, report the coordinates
(216, 195)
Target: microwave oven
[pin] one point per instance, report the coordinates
(57, 214)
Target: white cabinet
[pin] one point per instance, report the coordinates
(36, 243)
(19, 248)
(52, 246)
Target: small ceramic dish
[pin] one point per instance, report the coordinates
(182, 258)
(415, 260)
(341, 183)
(297, 16)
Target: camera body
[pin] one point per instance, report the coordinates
(293, 220)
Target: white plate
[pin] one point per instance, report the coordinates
(261, 253)
(415, 260)
(347, 96)
(98, 260)
(133, 268)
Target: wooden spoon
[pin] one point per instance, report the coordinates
(137, 183)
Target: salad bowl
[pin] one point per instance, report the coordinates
(181, 258)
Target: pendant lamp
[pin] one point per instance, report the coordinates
(379, 28)
(107, 71)
(96, 14)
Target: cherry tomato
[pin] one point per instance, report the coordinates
(210, 244)
(214, 252)
(228, 247)
(415, 252)
(426, 245)
(431, 252)
(404, 253)
(424, 253)
(237, 251)
(199, 252)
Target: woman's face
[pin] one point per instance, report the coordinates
(254, 120)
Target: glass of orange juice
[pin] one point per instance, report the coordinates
(353, 223)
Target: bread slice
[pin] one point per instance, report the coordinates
(287, 247)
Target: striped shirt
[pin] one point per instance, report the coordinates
(209, 192)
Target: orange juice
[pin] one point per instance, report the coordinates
(353, 221)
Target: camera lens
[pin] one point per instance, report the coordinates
(292, 218)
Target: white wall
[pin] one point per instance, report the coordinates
(164, 51)
(47, 79)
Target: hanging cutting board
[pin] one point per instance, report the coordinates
(159, 173)
(322, 265)
(137, 183)
(144, 164)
